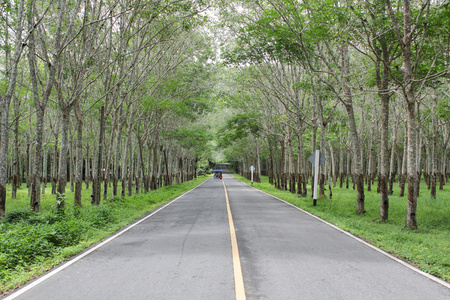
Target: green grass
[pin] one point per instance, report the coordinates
(427, 248)
(31, 244)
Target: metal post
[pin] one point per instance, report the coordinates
(316, 176)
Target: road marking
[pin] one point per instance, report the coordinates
(404, 263)
(39, 280)
(238, 278)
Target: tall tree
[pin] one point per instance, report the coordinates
(5, 102)
(405, 40)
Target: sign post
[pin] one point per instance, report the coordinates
(316, 177)
(316, 159)
(252, 168)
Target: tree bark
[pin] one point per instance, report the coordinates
(79, 156)
(40, 104)
(96, 185)
(433, 149)
(16, 181)
(5, 102)
(384, 199)
(358, 170)
(64, 147)
(402, 176)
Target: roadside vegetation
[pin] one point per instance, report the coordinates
(427, 248)
(33, 243)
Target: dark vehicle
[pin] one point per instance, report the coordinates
(217, 174)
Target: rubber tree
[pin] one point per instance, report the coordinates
(5, 102)
(405, 41)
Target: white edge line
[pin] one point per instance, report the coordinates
(429, 276)
(68, 263)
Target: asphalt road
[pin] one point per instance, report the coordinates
(183, 251)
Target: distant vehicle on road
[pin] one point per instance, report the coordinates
(217, 174)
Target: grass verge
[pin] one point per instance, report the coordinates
(427, 248)
(33, 243)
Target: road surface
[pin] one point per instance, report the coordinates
(188, 250)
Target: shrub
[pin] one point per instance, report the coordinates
(100, 216)
(18, 215)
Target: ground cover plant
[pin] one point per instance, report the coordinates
(427, 248)
(32, 243)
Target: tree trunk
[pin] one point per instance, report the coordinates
(16, 177)
(35, 200)
(44, 171)
(54, 165)
(402, 177)
(40, 105)
(341, 158)
(384, 199)
(290, 161)
(154, 176)
(4, 106)
(258, 162)
(79, 156)
(271, 164)
(125, 161)
(64, 147)
(411, 221)
(4, 136)
(96, 185)
(87, 169)
(433, 149)
(283, 165)
(358, 170)
(392, 163)
(71, 166)
(418, 151)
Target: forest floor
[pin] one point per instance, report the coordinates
(427, 248)
(33, 243)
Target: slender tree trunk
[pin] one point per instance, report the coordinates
(40, 105)
(384, 199)
(258, 161)
(96, 185)
(341, 159)
(392, 162)
(314, 145)
(402, 181)
(418, 151)
(71, 166)
(64, 147)
(44, 171)
(283, 164)
(322, 168)
(5, 102)
(271, 164)
(411, 221)
(347, 172)
(79, 156)
(441, 174)
(405, 41)
(131, 170)
(433, 149)
(300, 163)
(154, 180)
(16, 177)
(87, 170)
(115, 173)
(54, 165)
(4, 139)
(290, 162)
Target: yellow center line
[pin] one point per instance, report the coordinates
(238, 278)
